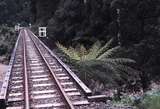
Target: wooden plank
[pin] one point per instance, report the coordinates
(74, 93)
(43, 91)
(98, 98)
(47, 105)
(83, 102)
(39, 76)
(63, 78)
(16, 87)
(15, 99)
(44, 96)
(70, 89)
(15, 107)
(15, 94)
(40, 79)
(43, 85)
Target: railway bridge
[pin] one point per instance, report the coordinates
(38, 79)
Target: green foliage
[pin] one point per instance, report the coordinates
(14, 11)
(96, 52)
(98, 62)
(7, 40)
(151, 101)
(71, 52)
(73, 21)
(125, 100)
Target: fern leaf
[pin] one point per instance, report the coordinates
(108, 53)
(93, 51)
(71, 52)
(128, 70)
(82, 52)
(105, 47)
(123, 61)
(101, 66)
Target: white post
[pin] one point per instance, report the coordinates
(42, 32)
(30, 25)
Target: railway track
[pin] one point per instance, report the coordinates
(38, 79)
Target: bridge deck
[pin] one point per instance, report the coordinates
(37, 78)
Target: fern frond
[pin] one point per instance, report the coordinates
(123, 61)
(62, 48)
(95, 46)
(100, 69)
(131, 72)
(82, 52)
(71, 52)
(105, 47)
(92, 52)
(108, 53)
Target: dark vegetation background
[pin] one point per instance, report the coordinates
(69, 21)
(77, 21)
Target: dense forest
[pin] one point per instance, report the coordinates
(14, 11)
(115, 43)
(86, 21)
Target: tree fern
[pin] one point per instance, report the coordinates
(97, 62)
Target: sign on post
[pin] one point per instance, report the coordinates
(17, 27)
(42, 32)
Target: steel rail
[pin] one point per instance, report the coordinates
(26, 83)
(65, 97)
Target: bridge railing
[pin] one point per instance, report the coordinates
(3, 91)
